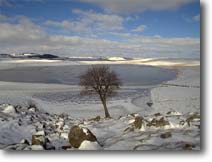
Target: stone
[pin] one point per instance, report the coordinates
(191, 118)
(158, 123)
(149, 104)
(24, 141)
(39, 138)
(166, 135)
(18, 146)
(77, 135)
(138, 122)
(66, 147)
(188, 146)
(157, 114)
(96, 118)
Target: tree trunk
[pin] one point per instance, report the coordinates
(107, 115)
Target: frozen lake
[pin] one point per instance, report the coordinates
(136, 75)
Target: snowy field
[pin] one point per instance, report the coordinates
(168, 111)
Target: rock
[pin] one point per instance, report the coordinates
(174, 113)
(129, 129)
(77, 135)
(66, 147)
(133, 115)
(18, 109)
(39, 138)
(157, 114)
(138, 122)
(191, 118)
(24, 141)
(166, 135)
(32, 109)
(18, 146)
(188, 146)
(95, 119)
(158, 123)
(49, 146)
(149, 104)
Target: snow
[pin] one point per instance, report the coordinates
(59, 108)
(37, 147)
(87, 145)
(8, 109)
(116, 58)
(85, 130)
(182, 94)
(40, 133)
(31, 61)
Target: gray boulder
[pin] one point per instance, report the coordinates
(138, 122)
(77, 135)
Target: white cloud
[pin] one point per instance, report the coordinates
(196, 17)
(26, 36)
(132, 6)
(104, 21)
(88, 21)
(80, 26)
(140, 28)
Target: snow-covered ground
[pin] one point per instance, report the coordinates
(176, 101)
(181, 94)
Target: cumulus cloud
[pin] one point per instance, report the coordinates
(140, 28)
(107, 21)
(88, 21)
(132, 6)
(80, 26)
(26, 36)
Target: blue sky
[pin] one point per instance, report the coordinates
(137, 28)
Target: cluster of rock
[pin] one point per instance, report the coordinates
(60, 132)
(49, 132)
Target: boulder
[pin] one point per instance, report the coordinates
(166, 135)
(39, 138)
(77, 135)
(138, 122)
(158, 122)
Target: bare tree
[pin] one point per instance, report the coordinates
(102, 81)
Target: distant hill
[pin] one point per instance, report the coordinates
(30, 56)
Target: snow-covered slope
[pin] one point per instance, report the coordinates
(181, 94)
